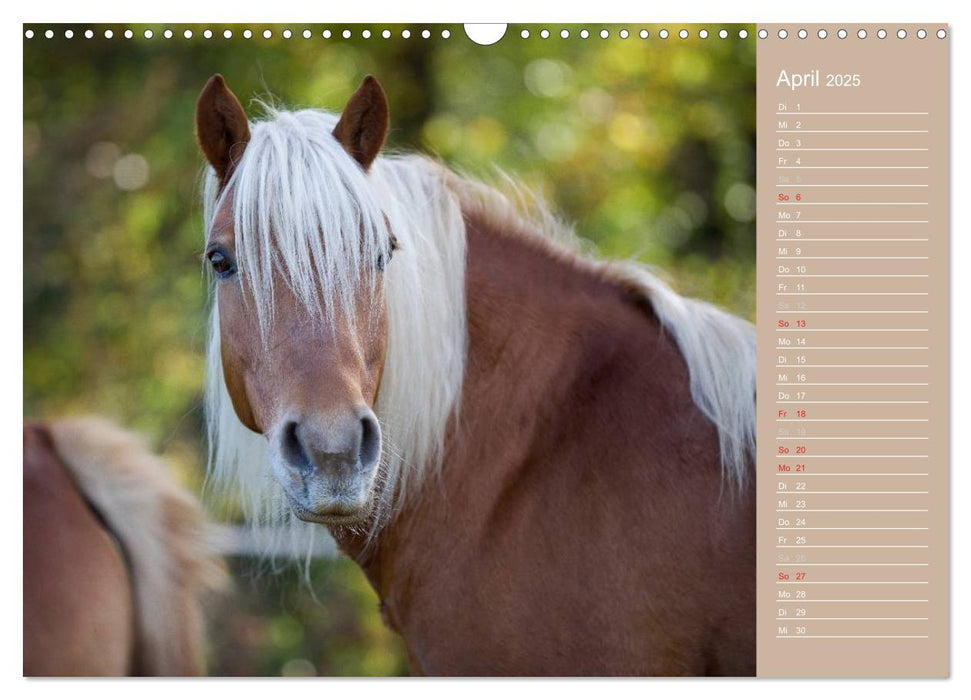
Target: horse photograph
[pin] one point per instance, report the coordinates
(471, 355)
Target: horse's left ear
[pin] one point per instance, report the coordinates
(221, 127)
(363, 125)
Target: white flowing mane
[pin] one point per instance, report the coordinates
(297, 193)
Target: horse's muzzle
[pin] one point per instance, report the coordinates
(327, 466)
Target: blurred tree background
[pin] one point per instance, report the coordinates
(648, 145)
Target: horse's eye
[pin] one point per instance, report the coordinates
(383, 260)
(221, 264)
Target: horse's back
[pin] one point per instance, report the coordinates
(78, 611)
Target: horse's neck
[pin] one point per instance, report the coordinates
(538, 322)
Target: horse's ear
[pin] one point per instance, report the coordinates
(221, 127)
(363, 125)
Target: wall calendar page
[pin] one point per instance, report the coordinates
(540, 349)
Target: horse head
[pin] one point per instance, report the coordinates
(298, 246)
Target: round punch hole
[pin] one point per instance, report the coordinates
(167, 33)
(88, 34)
(207, 34)
(564, 33)
(743, 33)
(921, 33)
(446, 34)
(802, 33)
(524, 34)
(821, 34)
(763, 34)
(861, 34)
(783, 33)
(683, 34)
(227, 34)
(901, 33)
(584, 34)
(604, 33)
(129, 33)
(108, 34)
(941, 34)
(29, 34)
(723, 34)
(841, 34)
(703, 34)
(663, 33)
(485, 34)
(544, 34)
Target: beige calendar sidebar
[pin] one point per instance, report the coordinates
(852, 187)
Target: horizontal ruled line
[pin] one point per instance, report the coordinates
(852, 383)
(850, 583)
(801, 185)
(856, 276)
(852, 131)
(799, 113)
(851, 149)
(801, 564)
(811, 456)
(855, 311)
(851, 294)
(850, 330)
(852, 221)
(804, 348)
(851, 420)
(796, 366)
(799, 619)
(802, 475)
(849, 240)
(851, 636)
(847, 510)
(799, 493)
(853, 257)
(852, 600)
(851, 167)
(889, 437)
(881, 402)
(852, 546)
(850, 204)
(852, 528)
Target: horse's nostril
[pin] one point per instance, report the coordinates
(370, 441)
(293, 451)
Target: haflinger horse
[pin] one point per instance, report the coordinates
(541, 461)
(118, 558)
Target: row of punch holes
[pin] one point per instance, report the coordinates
(445, 34)
(385, 34)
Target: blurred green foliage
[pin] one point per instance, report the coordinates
(647, 145)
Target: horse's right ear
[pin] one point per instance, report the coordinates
(221, 127)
